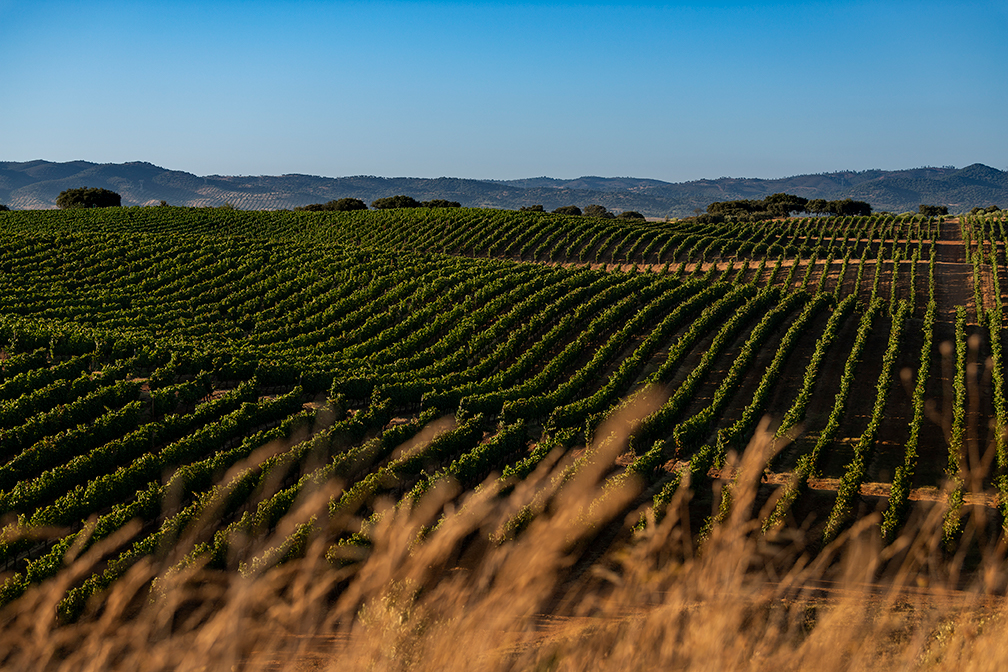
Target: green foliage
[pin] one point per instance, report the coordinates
(853, 477)
(848, 207)
(899, 495)
(692, 431)
(933, 210)
(440, 203)
(568, 210)
(243, 360)
(88, 198)
(817, 206)
(784, 205)
(595, 211)
(662, 421)
(806, 465)
(736, 435)
(775, 205)
(340, 205)
(391, 202)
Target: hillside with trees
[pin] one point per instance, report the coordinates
(37, 185)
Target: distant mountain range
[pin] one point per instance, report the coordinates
(36, 184)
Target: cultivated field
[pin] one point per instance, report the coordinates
(531, 417)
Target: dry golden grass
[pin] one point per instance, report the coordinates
(443, 588)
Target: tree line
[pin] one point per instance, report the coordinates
(781, 205)
(593, 210)
(771, 207)
(400, 201)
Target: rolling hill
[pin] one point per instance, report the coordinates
(36, 184)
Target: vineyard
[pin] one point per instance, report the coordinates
(180, 380)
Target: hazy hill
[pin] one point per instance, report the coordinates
(36, 184)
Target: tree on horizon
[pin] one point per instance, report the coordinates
(85, 197)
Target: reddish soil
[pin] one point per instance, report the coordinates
(793, 374)
(712, 381)
(743, 395)
(821, 402)
(953, 287)
(860, 401)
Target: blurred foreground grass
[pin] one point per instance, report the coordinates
(442, 587)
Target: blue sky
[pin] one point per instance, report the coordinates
(672, 91)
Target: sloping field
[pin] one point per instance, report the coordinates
(176, 381)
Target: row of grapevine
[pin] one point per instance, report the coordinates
(156, 352)
(903, 478)
(806, 465)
